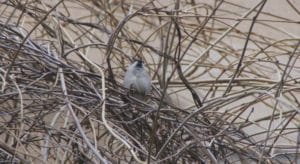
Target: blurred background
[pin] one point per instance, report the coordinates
(225, 77)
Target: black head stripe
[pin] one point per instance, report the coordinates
(139, 64)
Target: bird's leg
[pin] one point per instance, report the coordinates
(132, 89)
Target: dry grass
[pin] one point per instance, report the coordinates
(225, 82)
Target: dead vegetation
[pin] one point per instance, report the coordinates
(223, 91)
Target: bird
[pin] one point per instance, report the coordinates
(137, 79)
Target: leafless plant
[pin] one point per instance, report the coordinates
(224, 89)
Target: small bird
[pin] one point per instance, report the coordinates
(137, 79)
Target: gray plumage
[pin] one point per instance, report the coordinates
(137, 79)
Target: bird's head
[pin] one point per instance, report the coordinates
(139, 64)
